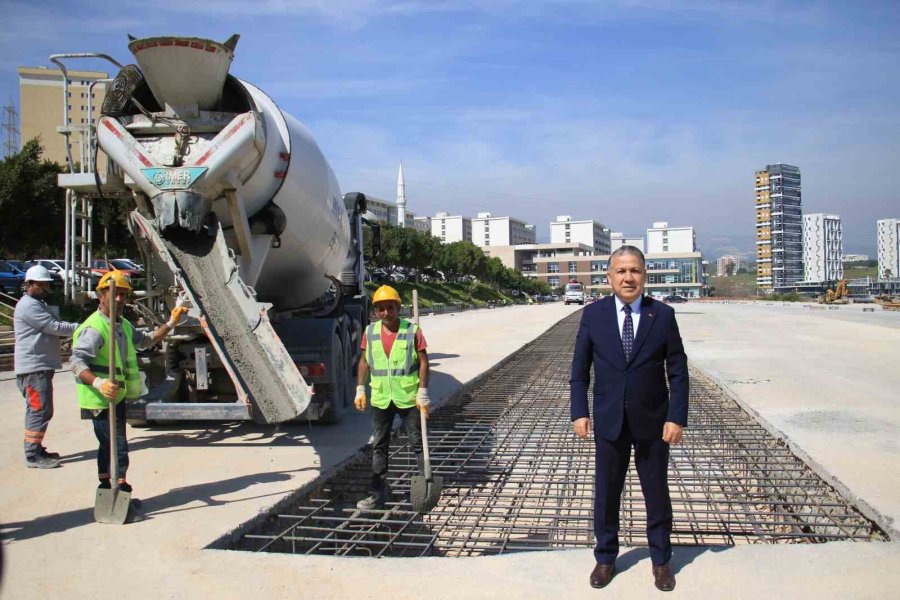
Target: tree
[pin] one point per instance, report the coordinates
(461, 259)
(415, 250)
(32, 210)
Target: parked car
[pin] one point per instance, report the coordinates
(11, 277)
(674, 299)
(56, 266)
(100, 266)
(127, 263)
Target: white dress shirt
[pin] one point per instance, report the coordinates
(635, 314)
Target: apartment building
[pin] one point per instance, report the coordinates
(779, 229)
(451, 228)
(42, 110)
(488, 230)
(388, 212)
(617, 239)
(888, 242)
(565, 230)
(661, 238)
(728, 265)
(822, 248)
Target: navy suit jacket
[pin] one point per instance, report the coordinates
(636, 386)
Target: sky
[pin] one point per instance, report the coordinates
(622, 111)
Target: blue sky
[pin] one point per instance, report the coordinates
(626, 112)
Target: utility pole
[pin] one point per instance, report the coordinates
(10, 129)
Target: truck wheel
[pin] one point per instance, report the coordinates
(338, 388)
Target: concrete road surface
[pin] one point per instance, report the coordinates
(826, 379)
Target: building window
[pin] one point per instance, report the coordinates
(573, 267)
(553, 281)
(553, 267)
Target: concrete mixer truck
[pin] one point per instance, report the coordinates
(240, 218)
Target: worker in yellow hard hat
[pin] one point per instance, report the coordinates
(91, 352)
(396, 358)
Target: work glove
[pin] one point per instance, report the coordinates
(109, 389)
(177, 313)
(422, 400)
(360, 401)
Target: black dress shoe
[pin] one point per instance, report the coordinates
(602, 575)
(664, 578)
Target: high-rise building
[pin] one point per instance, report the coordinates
(451, 228)
(618, 239)
(488, 230)
(729, 265)
(888, 231)
(42, 111)
(779, 228)
(822, 248)
(566, 231)
(662, 238)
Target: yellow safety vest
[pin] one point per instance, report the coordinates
(395, 378)
(128, 377)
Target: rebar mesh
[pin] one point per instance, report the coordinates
(516, 478)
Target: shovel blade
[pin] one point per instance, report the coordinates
(111, 506)
(424, 494)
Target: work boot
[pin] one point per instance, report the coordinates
(41, 462)
(371, 502)
(104, 485)
(44, 452)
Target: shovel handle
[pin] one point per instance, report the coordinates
(425, 452)
(113, 451)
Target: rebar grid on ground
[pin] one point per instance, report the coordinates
(516, 478)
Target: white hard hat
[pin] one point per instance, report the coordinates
(38, 273)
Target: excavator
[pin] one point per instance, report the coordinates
(838, 295)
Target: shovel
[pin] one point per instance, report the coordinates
(425, 490)
(111, 506)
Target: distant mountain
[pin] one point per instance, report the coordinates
(717, 245)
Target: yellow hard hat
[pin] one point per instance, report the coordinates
(385, 292)
(118, 276)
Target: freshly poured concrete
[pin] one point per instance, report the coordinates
(825, 385)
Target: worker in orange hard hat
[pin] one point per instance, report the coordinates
(395, 355)
(91, 356)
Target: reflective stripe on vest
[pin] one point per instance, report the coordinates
(395, 378)
(88, 396)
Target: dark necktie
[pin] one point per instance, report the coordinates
(627, 332)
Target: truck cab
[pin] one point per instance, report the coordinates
(574, 292)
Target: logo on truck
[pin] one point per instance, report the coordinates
(176, 178)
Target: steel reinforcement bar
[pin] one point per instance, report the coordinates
(516, 478)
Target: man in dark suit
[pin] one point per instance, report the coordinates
(633, 343)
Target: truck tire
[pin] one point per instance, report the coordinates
(338, 388)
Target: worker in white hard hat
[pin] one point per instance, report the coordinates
(37, 358)
(91, 356)
(395, 355)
